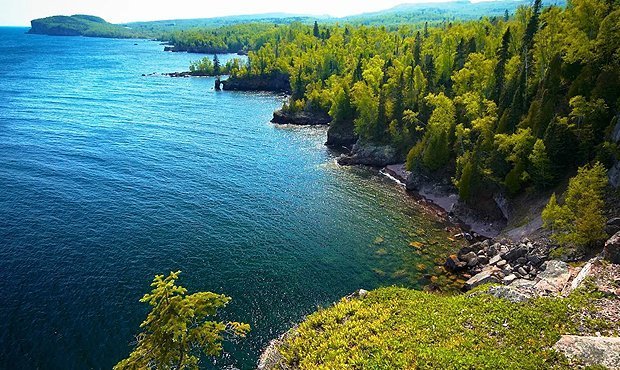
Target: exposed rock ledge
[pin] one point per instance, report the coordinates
(275, 82)
(341, 135)
(370, 155)
(308, 118)
(590, 350)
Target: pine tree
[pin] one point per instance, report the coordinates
(216, 65)
(500, 68)
(580, 220)
(416, 48)
(540, 165)
(461, 55)
(177, 331)
(468, 177)
(316, 31)
(382, 119)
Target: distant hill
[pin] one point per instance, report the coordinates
(438, 12)
(88, 25)
(79, 25)
(183, 24)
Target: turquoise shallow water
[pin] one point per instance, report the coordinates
(108, 178)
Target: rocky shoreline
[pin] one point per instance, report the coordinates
(275, 82)
(303, 118)
(499, 262)
(521, 271)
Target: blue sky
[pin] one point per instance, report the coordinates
(20, 12)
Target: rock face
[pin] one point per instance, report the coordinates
(341, 135)
(276, 82)
(603, 351)
(271, 358)
(554, 278)
(614, 175)
(612, 249)
(612, 226)
(301, 118)
(370, 155)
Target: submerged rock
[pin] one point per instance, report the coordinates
(603, 351)
(453, 263)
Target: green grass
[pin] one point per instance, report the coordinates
(397, 328)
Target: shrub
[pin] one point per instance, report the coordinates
(579, 220)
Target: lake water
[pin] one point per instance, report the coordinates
(108, 177)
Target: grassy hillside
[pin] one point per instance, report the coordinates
(397, 328)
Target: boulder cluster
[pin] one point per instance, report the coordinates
(499, 262)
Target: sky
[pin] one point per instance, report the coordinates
(20, 12)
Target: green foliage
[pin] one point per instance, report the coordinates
(81, 25)
(580, 220)
(178, 331)
(397, 328)
(532, 95)
(540, 165)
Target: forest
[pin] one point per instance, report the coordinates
(511, 102)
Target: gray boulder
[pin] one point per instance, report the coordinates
(485, 277)
(611, 252)
(612, 226)
(590, 351)
(510, 293)
(515, 253)
(554, 278)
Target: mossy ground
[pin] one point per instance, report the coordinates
(398, 328)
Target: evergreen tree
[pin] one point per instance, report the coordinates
(561, 145)
(382, 118)
(500, 68)
(580, 220)
(461, 54)
(416, 48)
(177, 331)
(316, 31)
(540, 165)
(216, 65)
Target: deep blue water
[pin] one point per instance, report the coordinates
(108, 178)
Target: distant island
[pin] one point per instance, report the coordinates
(79, 25)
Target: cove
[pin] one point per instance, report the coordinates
(108, 177)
